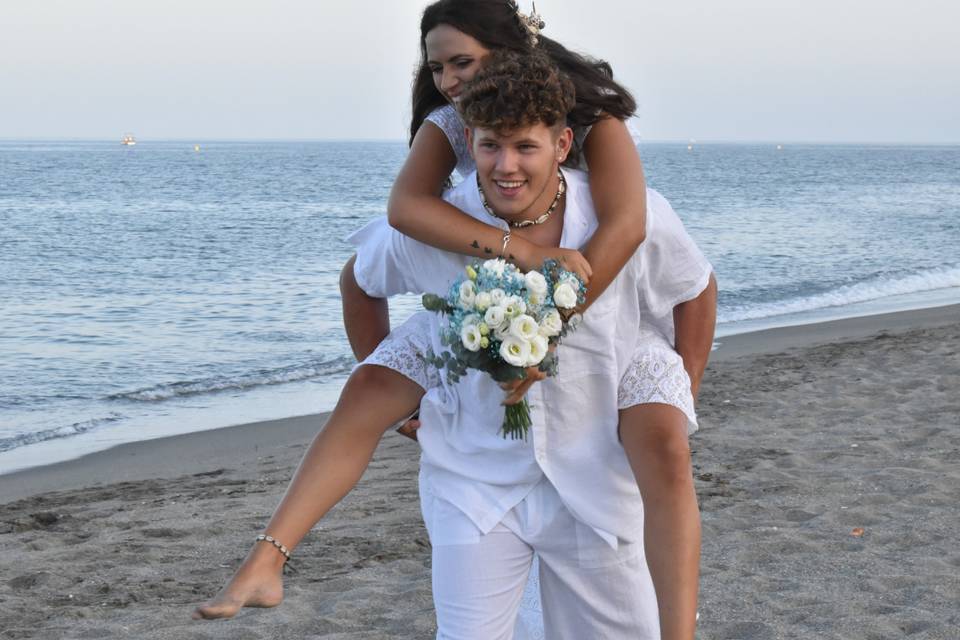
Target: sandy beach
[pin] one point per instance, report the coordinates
(827, 466)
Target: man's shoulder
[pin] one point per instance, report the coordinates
(577, 178)
(578, 186)
(579, 199)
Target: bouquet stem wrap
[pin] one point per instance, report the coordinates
(516, 420)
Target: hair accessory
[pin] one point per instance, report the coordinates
(533, 23)
(561, 189)
(282, 549)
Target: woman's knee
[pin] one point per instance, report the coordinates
(372, 389)
(374, 379)
(655, 438)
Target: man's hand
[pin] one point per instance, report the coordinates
(515, 392)
(366, 319)
(695, 322)
(518, 388)
(409, 426)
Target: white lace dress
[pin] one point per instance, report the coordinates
(656, 374)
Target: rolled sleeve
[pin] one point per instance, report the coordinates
(385, 260)
(671, 269)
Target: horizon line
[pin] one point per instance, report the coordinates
(678, 141)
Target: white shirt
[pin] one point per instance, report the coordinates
(573, 439)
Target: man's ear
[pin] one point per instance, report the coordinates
(564, 143)
(470, 141)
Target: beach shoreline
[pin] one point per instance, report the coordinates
(181, 453)
(826, 469)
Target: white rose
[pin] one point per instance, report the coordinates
(482, 301)
(494, 316)
(515, 351)
(524, 327)
(535, 283)
(513, 306)
(502, 332)
(497, 296)
(565, 296)
(471, 319)
(470, 337)
(538, 350)
(551, 324)
(468, 294)
(496, 266)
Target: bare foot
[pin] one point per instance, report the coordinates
(257, 583)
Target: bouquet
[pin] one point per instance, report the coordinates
(502, 321)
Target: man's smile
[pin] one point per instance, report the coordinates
(509, 188)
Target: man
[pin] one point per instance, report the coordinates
(568, 492)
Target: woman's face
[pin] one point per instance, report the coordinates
(453, 58)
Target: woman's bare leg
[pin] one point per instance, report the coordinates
(374, 399)
(654, 437)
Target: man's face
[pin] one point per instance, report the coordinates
(516, 167)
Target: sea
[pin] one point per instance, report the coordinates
(172, 286)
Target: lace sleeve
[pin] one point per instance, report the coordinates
(452, 126)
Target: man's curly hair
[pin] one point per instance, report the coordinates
(515, 90)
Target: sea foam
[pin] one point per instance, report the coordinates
(161, 392)
(866, 291)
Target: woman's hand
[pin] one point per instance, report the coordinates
(515, 392)
(529, 256)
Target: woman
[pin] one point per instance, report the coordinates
(456, 36)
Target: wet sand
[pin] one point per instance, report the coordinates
(828, 470)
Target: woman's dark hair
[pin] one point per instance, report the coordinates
(495, 24)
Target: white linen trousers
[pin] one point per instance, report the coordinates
(589, 591)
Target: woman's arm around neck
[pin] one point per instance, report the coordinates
(619, 193)
(416, 209)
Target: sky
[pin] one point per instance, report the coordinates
(740, 70)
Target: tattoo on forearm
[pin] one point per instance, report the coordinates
(475, 244)
(487, 250)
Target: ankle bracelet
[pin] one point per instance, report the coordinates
(282, 549)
